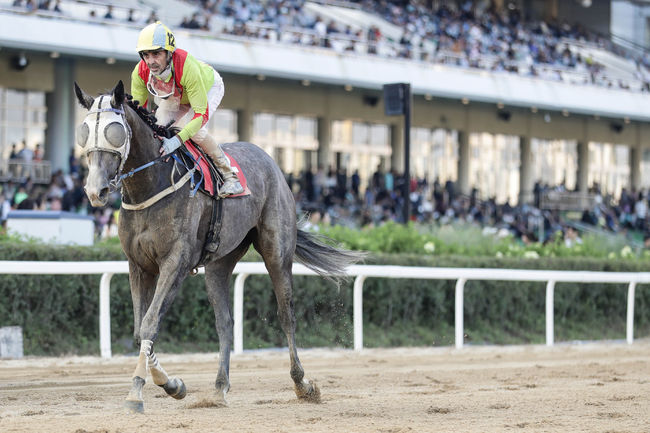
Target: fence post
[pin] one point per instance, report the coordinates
(105, 315)
(550, 311)
(630, 312)
(238, 300)
(358, 312)
(460, 331)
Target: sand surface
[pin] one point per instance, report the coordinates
(594, 387)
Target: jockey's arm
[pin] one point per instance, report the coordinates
(196, 83)
(139, 87)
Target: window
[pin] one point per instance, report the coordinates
(291, 140)
(22, 117)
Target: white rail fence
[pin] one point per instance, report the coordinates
(360, 272)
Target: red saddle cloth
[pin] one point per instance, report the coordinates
(208, 182)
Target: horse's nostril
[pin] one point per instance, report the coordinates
(103, 193)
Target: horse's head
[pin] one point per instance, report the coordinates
(105, 137)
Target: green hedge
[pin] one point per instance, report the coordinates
(59, 314)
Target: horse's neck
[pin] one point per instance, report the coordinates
(144, 148)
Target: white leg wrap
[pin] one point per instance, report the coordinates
(142, 368)
(158, 374)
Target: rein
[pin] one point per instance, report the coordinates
(175, 186)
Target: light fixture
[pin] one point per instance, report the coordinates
(626, 120)
(533, 109)
(348, 87)
(428, 96)
(500, 105)
(55, 55)
(565, 112)
(305, 83)
(110, 60)
(465, 101)
(19, 62)
(504, 115)
(261, 77)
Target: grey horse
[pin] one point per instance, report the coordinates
(164, 237)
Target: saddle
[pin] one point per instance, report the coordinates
(207, 176)
(209, 180)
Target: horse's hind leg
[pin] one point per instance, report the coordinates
(279, 263)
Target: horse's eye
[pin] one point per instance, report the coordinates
(82, 134)
(115, 134)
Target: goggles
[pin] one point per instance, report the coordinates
(105, 129)
(159, 88)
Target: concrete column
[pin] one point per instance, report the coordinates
(636, 154)
(60, 132)
(463, 186)
(324, 142)
(583, 166)
(397, 147)
(526, 180)
(245, 124)
(636, 157)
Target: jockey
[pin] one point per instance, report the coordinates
(186, 91)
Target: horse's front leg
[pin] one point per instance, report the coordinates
(143, 287)
(149, 306)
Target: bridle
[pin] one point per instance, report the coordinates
(105, 118)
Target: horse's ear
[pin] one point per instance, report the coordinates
(118, 95)
(85, 99)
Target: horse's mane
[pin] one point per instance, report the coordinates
(150, 119)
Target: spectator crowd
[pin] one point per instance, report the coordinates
(332, 197)
(464, 33)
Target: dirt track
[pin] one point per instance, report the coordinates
(567, 388)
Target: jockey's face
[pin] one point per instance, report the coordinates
(156, 60)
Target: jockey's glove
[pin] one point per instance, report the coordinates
(170, 144)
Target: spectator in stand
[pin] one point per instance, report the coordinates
(109, 13)
(153, 17)
(25, 153)
(571, 237)
(38, 153)
(14, 153)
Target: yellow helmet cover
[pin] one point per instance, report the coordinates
(156, 36)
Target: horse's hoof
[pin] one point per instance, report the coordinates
(220, 400)
(308, 391)
(175, 387)
(134, 406)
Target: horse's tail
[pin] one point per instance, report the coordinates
(313, 251)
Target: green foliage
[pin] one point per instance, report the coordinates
(471, 240)
(59, 314)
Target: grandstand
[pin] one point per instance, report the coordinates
(499, 102)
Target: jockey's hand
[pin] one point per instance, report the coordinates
(170, 144)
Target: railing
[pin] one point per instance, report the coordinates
(15, 170)
(566, 200)
(361, 273)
